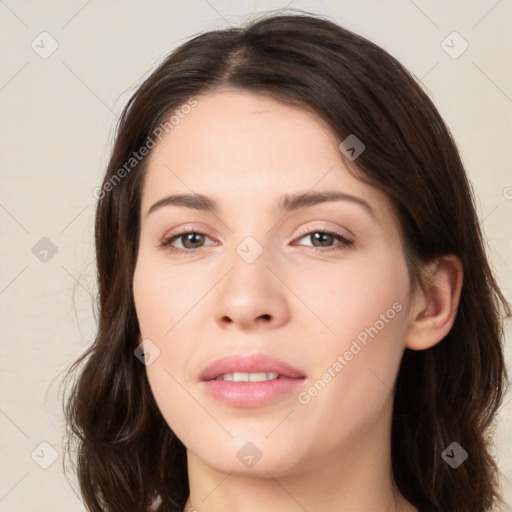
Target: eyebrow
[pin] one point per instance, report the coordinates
(287, 202)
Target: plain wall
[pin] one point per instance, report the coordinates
(58, 116)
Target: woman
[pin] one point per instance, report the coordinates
(296, 309)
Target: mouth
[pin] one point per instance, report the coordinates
(250, 381)
(249, 368)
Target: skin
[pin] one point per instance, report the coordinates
(332, 453)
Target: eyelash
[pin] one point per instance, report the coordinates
(168, 240)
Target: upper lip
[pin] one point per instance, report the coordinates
(252, 363)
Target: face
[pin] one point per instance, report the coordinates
(320, 285)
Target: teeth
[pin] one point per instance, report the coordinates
(248, 377)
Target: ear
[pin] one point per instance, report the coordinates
(435, 307)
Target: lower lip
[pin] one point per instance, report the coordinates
(251, 394)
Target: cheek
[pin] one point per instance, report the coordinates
(160, 300)
(376, 321)
(152, 307)
(161, 308)
(357, 362)
(361, 294)
(351, 389)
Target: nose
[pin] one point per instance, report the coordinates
(251, 297)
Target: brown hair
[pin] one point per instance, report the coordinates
(126, 456)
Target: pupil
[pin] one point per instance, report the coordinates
(190, 238)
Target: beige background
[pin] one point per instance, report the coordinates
(58, 115)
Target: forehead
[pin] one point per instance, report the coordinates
(230, 124)
(243, 137)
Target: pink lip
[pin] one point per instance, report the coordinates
(250, 394)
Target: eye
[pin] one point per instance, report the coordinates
(324, 238)
(190, 240)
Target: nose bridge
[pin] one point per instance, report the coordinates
(251, 236)
(249, 274)
(255, 246)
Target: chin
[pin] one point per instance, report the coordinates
(246, 458)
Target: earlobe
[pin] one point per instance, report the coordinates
(436, 306)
